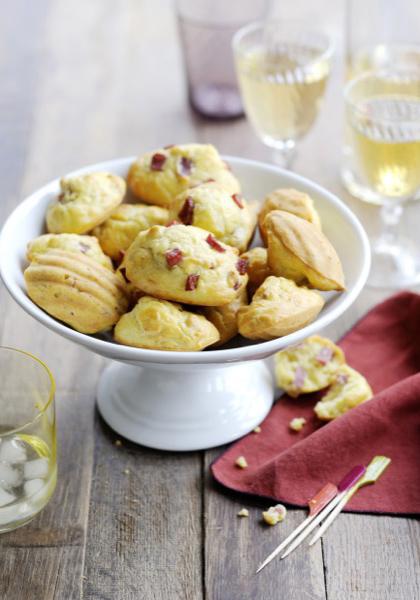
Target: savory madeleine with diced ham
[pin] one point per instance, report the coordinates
(158, 177)
(212, 207)
(161, 325)
(185, 264)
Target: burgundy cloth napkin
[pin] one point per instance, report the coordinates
(291, 467)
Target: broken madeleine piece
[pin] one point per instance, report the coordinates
(349, 389)
(309, 366)
(300, 251)
(292, 201)
(161, 325)
(278, 308)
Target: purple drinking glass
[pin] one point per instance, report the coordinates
(206, 30)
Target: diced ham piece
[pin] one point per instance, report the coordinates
(242, 266)
(238, 200)
(191, 283)
(186, 214)
(300, 375)
(324, 355)
(157, 162)
(184, 166)
(211, 240)
(173, 257)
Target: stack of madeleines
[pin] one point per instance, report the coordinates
(171, 268)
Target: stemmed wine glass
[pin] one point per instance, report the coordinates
(282, 68)
(383, 156)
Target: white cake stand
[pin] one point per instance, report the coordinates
(190, 400)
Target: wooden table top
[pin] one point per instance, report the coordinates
(82, 82)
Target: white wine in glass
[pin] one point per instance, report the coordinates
(383, 132)
(282, 70)
(387, 148)
(374, 58)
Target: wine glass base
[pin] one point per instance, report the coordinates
(394, 266)
(185, 408)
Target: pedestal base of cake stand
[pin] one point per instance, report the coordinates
(185, 408)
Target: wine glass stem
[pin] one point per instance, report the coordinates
(391, 212)
(284, 154)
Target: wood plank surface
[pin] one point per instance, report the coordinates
(235, 546)
(83, 82)
(145, 534)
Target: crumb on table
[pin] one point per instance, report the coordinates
(241, 462)
(244, 512)
(118, 442)
(257, 429)
(297, 423)
(275, 514)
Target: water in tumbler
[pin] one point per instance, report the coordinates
(27, 479)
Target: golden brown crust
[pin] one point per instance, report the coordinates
(118, 232)
(161, 325)
(71, 242)
(279, 307)
(76, 289)
(158, 177)
(292, 201)
(225, 318)
(215, 209)
(85, 201)
(202, 275)
(298, 250)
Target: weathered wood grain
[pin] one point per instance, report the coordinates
(235, 546)
(372, 558)
(87, 81)
(145, 536)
